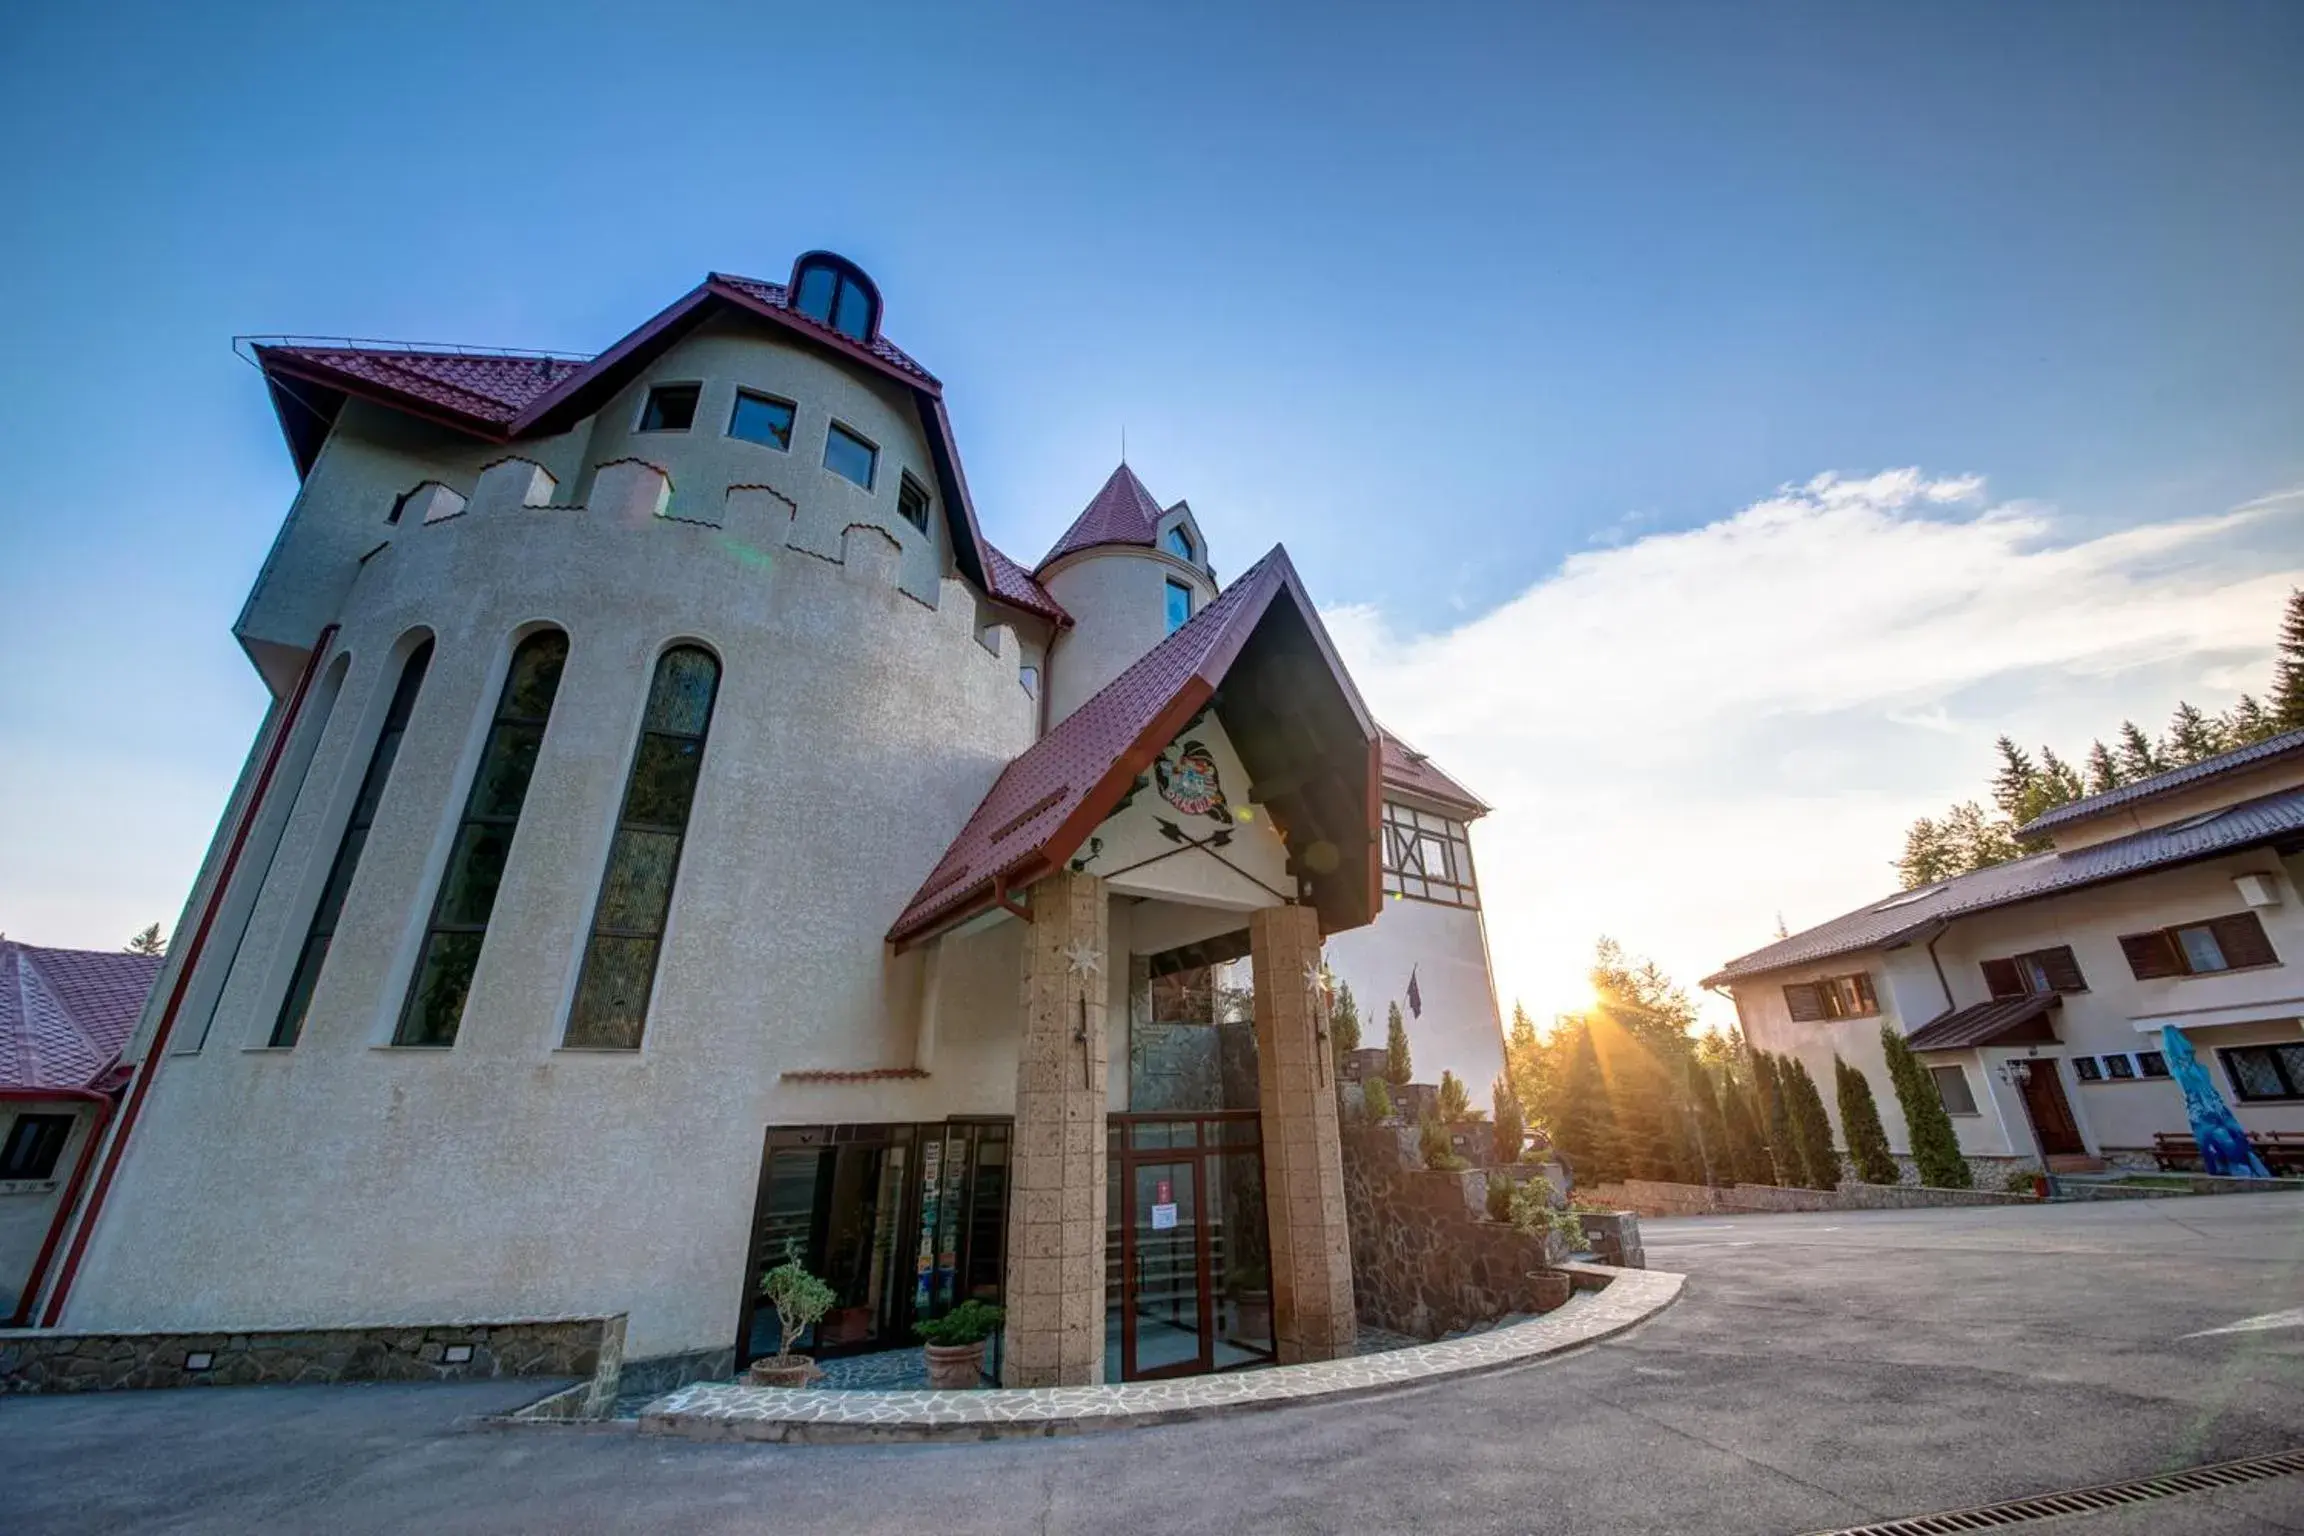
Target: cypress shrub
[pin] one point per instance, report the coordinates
(1860, 1121)
(1397, 1062)
(1375, 1100)
(1432, 1140)
(1935, 1147)
(1581, 1118)
(1511, 1125)
(1747, 1148)
(1776, 1121)
(1811, 1127)
(1711, 1126)
(1455, 1103)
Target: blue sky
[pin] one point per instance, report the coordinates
(1442, 297)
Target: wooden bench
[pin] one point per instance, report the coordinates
(2282, 1152)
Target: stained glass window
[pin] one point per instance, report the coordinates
(644, 856)
(483, 846)
(290, 1024)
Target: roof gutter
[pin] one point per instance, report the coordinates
(141, 1086)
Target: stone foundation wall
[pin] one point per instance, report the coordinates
(1425, 1260)
(588, 1348)
(1653, 1198)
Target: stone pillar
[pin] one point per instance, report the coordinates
(1312, 1310)
(1055, 1333)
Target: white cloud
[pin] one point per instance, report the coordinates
(1690, 732)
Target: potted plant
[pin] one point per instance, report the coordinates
(1251, 1287)
(954, 1343)
(800, 1300)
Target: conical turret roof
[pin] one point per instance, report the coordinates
(1123, 512)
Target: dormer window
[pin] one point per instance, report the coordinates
(833, 292)
(1180, 544)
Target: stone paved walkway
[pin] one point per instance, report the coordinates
(727, 1412)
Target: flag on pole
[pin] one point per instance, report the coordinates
(1415, 998)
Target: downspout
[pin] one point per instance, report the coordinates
(89, 1146)
(1942, 928)
(149, 1067)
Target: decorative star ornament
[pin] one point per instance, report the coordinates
(1315, 984)
(1082, 959)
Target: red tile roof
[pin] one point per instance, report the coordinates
(1011, 583)
(2271, 749)
(66, 1013)
(776, 296)
(1046, 801)
(1123, 512)
(1407, 769)
(485, 389)
(2002, 1021)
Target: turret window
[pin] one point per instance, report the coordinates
(761, 419)
(1179, 605)
(850, 457)
(483, 846)
(1180, 544)
(912, 501)
(833, 293)
(322, 933)
(670, 408)
(636, 892)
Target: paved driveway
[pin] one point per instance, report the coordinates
(1821, 1371)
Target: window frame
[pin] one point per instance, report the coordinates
(671, 386)
(1406, 830)
(1843, 995)
(2151, 1066)
(837, 428)
(2086, 1070)
(2033, 973)
(1179, 535)
(2159, 954)
(908, 487)
(1168, 597)
(34, 1145)
(846, 277)
(2271, 1050)
(762, 397)
(1960, 1076)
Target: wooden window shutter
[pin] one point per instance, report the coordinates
(2243, 940)
(2002, 979)
(1806, 1000)
(2061, 969)
(2151, 954)
(1867, 1001)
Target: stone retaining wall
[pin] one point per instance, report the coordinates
(587, 1348)
(1654, 1198)
(1425, 1260)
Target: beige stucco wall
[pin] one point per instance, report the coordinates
(347, 1181)
(27, 1206)
(1130, 852)
(1447, 947)
(2224, 789)
(2103, 1019)
(1118, 599)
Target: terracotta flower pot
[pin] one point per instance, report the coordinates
(954, 1367)
(783, 1371)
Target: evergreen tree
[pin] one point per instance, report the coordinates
(1747, 1148)
(1977, 840)
(1375, 1100)
(1713, 1151)
(148, 942)
(2287, 701)
(2103, 772)
(1397, 1065)
(2059, 784)
(2247, 723)
(1646, 1115)
(1578, 1114)
(1343, 1023)
(2191, 737)
(1511, 1127)
(1935, 1147)
(1860, 1119)
(2138, 758)
(1455, 1104)
(2016, 783)
(1525, 1058)
(1926, 858)
(1776, 1120)
(1811, 1127)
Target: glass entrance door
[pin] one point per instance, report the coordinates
(1188, 1287)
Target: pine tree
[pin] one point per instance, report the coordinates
(2103, 771)
(2017, 781)
(148, 942)
(1935, 1146)
(1579, 1116)
(1343, 1023)
(1976, 841)
(2138, 759)
(2060, 784)
(1713, 1151)
(1525, 1058)
(1511, 1126)
(1776, 1119)
(2191, 737)
(1860, 1120)
(1747, 1149)
(1811, 1127)
(1397, 1065)
(1926, 859)
(1375, 1100)
(1455, 1104)
(2248, 722)
(2287, 701)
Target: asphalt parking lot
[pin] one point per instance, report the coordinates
(1821, 1371)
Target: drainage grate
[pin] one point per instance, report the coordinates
(2083, 1501)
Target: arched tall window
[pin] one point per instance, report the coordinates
(483, 844)
(290, 1024)
(833, 292)
(636, 892)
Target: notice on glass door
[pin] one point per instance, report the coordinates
(1163, 1217)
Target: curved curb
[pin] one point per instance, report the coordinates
(726, 1412)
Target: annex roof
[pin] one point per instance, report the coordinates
(1412, 771)
(2002, 1021)
(2267, 819)
(503, 396)
(2288, 744)
(1122, 512)
(1259, 655)
(65, 1014)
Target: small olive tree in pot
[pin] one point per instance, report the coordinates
(954, 1343)
(800, 1300)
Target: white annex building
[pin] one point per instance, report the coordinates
(678, 833)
